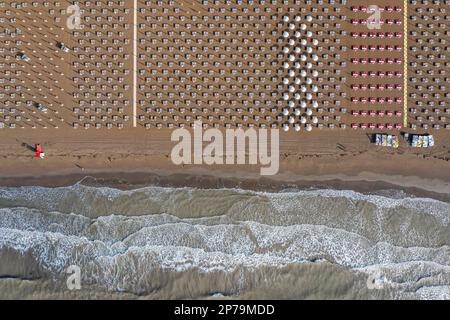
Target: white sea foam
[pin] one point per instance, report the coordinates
(244, 229)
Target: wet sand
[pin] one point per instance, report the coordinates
(322, 159)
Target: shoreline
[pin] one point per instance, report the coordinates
(136, 180)
(340, 160)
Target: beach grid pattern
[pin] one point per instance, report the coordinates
(229, 63)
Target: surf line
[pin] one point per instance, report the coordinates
(135, 47)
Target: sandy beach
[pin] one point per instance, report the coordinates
(155, 213)
(319, 158)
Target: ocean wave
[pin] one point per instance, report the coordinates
(120, 239)
(403, 222)
(182, 247)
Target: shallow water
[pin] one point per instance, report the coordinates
(160, 242)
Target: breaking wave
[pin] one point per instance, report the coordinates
(124, 240)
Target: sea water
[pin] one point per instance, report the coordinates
(194, 243)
